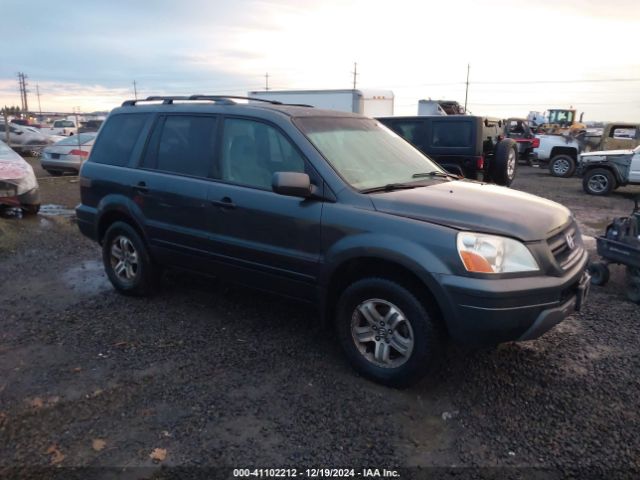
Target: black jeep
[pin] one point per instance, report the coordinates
(471, 146)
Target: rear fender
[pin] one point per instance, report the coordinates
(117, 203)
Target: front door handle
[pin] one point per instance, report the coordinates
(141, 187)
(225, 202)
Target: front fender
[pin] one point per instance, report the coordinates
(427, 266)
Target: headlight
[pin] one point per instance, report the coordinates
(482, 253)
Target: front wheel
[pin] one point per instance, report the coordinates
(30, 209)
(127, 261)
(633, 284)
(387, 334)
(599, 272)
(562, 166)
(598, 181)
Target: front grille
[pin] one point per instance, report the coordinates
(566, 247)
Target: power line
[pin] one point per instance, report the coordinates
(534, 82)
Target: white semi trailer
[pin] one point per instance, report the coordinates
(371, 103)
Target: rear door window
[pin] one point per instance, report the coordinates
(183, 144)
(117, 139)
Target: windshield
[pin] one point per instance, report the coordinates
(364, 152)
(82, 139)
(62, 123)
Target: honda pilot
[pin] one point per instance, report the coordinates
(333, 209)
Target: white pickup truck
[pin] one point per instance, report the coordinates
(61, 127)
(561, 152)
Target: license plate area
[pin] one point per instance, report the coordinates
(582, 292)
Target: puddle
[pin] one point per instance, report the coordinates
(50, 210)
(87, 278)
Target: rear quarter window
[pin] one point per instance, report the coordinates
(451, 134)
(117, 139)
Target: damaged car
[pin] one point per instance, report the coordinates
(603, 172)
(18, 183)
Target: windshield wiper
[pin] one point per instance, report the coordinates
(389, 187)
(435, 173)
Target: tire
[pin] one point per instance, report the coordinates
(598, 181)
(599, 273)
(416, 333)
(30, 209)
(138, 275)
(504, 163)
(563, 166)
(633, 290)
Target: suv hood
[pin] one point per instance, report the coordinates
(477, 206)
(604, 153)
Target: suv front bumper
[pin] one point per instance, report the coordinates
(488, 312)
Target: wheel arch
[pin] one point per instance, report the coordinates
(420, 282)
(114, 209)
(605, 166)
(570, 151)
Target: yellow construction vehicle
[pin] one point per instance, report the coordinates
(562, 121)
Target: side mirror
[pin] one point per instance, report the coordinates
(293, 184)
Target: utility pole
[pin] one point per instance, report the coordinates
(23, 91)
(466, 92)
(266, 81)
(355, 74)
(135, 90)
(38, 93)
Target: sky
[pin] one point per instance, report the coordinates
(523, 56)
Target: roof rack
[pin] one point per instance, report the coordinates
(222, 99)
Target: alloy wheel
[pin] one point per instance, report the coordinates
(382, 334)
(124, 259)
(598, 183)
(561, 167)
(511, 163)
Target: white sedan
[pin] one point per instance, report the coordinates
(68, 154)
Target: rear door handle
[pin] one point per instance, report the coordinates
(225, 202)
(141, 187)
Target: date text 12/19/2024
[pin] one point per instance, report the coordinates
(315, 473)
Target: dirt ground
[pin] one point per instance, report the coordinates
(215, 375)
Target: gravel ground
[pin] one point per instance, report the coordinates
(91, 378)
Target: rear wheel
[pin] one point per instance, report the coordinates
(562, 166)
(504, 163)
(599, 273)
(598, 181)
(387, 334)
(633, 284)
(127, 261)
